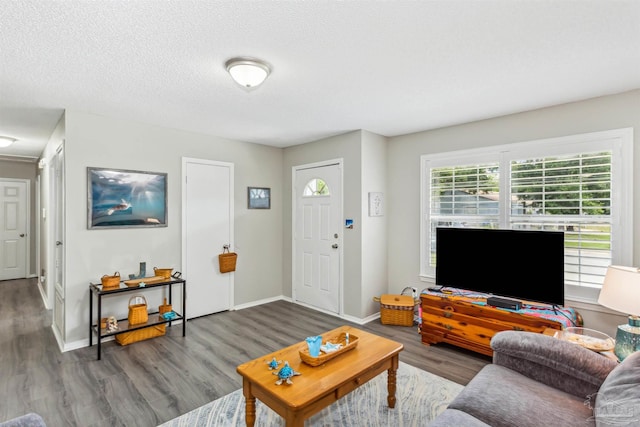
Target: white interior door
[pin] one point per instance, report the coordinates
(59, 234)
(318, 236)
(13, 229)
(207, 227)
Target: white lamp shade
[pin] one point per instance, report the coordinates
(621, 290)
(247, 72)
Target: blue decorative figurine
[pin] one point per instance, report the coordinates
(274, 364)
(285, 373)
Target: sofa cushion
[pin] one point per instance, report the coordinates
(618, 400)
(455, 418)
(499, 396)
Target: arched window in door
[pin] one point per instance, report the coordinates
(316, 187)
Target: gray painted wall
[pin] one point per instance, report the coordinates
(263, 237)
(598, 114)
(107, 142)
(347, 147)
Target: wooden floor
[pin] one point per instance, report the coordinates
(150, 382)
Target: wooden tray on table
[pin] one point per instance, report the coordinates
(134, 283)
(324, 357)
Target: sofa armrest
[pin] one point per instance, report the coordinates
(556, 363)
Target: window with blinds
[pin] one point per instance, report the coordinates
(572, 194)
(573, 184)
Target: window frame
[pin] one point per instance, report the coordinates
(618, 141)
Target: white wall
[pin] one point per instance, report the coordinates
(598, 114)
(374, 228)
(98, 141)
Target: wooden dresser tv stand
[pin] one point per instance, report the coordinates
(456, 320)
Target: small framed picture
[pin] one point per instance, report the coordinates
(259, 197)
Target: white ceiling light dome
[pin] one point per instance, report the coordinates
(248, 72)
(6, 141)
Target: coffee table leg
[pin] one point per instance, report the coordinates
(249, 402)
(391, 387)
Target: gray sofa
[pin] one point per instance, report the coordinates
(537, 380)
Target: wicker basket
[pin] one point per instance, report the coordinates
(325, 357)
(227, 261)
(396, 310)
(164, 272)
(110, 282)
(164, 308)
(130, 337)
(138, 312)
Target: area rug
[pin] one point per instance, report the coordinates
(420, 395)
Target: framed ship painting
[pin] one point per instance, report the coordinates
(119, 198)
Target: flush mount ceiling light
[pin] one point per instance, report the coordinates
(6, 141)
(248, 72)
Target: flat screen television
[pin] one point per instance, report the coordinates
(526, 265)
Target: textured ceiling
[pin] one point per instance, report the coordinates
(390, 67)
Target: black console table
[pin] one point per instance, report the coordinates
(96, 293)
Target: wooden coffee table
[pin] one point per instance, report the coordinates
(318, 386)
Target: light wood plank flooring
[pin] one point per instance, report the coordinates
(150, 382)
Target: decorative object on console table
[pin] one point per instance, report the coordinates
(142, 273)
(621, 292)
(227, 260)
(138, 313)
(110, 282)
(164, 308)
(130, 337)
(164, 272)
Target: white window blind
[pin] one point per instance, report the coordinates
(580, 185)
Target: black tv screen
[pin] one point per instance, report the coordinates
(527, 265)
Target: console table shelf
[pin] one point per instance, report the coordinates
(458, 321)
(96, 293)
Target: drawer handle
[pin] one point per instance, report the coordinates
(448, 327)
(447, 314)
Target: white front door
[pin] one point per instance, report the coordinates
(13, 229)
(318, 235)
(207, 226)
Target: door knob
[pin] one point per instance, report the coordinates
(58, 243)
(334, 246)
(22, 235)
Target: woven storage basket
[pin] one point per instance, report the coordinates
(227, 261)
(164, 272)
(130, 337)
(138, 312)
(396, 310)
(164, 308)
(325, 357)
(110, 282)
